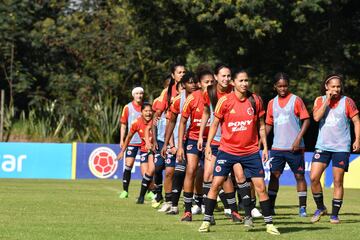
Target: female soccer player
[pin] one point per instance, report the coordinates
(285, 112)
(160, 162)
(192, 110)
(242, 116)
(141, 125)
(211, 96)
(333, 111)
(162, 107)
(190, 84)
(130, 112)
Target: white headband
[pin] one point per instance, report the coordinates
(136, 90)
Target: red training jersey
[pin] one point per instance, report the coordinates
(299, 109)
(194, 108)
(139, 126)
(219, 94)
(350, 107)
(163, 99)
(239, 131)
(125, 113)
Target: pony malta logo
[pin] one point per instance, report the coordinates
(102, 162)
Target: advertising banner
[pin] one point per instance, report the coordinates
(35, 160)
(98, 161)
(352, 177)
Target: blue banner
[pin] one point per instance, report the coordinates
(35, 160)
(351, 178)
(98, 161)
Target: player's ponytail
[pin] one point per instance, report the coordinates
(172, 81)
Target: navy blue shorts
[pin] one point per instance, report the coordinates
(214, 150)
(190, 147)
(144, 157)
(339, 159)
(295, 160)
(251, 164)
(131, 151)
(160, 161)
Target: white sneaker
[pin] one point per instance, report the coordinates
(255, 213)
(227, 212)
(165, 207)
(202, 209)
(195, 210)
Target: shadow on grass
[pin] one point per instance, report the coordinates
(284, 230)
(286, 206)
(350, 214)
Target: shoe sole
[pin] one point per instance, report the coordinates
(314, 220)
(273, 233)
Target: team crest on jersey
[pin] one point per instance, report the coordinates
(197, 109)
(189, 147)
(232, 111)
(250, 111)
(317, 156)
(142, 158)
(168, 161)
(218, 169)
(129, 152)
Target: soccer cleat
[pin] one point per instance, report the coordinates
(123, 195)
(156, 204)
(165, 207)
(334, 219)
(140, 200)
(317, 215)
(248, 222)
(173, 211)
(270, 228)
(227, 212)
(187, 217)
(149, 196)
(205, 227)
(196, 210)
(302, 212)
(236, 218)
(255, 213)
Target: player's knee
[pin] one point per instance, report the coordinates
(299, 177)
(338, 183)
(275, 175)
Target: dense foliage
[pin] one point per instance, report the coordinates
(79, 54)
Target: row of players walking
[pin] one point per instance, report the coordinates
(206, 131)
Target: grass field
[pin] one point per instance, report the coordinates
(90, 209)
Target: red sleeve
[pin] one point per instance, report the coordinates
(188, 106)
(318, 103)
(300, 109)
(134, 127)
(124, 115)
(259, 104)
(154, 104)
(206, 98)
(162, 103)
(220, 108)
(269, 113)
(175, 106)
(350, 108)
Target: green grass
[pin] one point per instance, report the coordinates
(90, 209)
